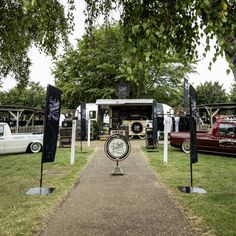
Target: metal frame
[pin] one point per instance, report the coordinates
(214, 109)
(18, 111)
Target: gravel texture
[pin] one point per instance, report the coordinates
(132, 204)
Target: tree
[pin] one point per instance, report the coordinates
(32, 96)
(93, 69)
(210, 93)
(233, 93)
(27, 22)
(89, 72)
(153, 28)
(166, 82)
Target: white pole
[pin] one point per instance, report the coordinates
(72, 153)
(165, 146)
(89, 132)
(167, 129)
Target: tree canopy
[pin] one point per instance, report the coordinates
(89, 71)
(154, 28)
(233, 93)
(27, 22)
(96, 66)
(153, 31)
(210, 93)
(31, 96)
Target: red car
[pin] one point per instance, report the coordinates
(220, 139)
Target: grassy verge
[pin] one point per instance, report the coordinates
(213, 213)
(20, 214)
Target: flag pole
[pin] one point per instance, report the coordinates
(41, 175)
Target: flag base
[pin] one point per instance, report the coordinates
(39, 191)
(188, 189)
(117, 171)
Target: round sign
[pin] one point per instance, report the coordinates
(122, 90)
(117, 147)
(137, 127)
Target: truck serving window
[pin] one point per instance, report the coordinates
(92, 114)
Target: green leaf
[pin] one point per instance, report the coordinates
(140, 65)
(134, 49)
(135, 29)
(161, 28)
(206, 2)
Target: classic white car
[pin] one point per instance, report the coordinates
(17, 143)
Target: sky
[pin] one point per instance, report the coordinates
(42, 65)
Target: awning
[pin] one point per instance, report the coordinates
(125, 102)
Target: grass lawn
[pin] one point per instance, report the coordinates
(213, 213)
(20, 214)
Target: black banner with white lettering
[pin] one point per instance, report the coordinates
(83, 121)
(193, 123)
(51, 123)
(154, 120)
(185, 95)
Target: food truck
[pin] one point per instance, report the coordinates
(131, 115)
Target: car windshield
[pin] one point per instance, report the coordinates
(227, 129)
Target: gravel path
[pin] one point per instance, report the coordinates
(132, 204)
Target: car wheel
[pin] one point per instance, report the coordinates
(142, 136)
(186, 146)
(35, 147)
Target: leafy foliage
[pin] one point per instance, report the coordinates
(32, 96)
(93, 69)
(89, 72)
(233, 93)
(27, 22)
(154, 28)
(211, 93)
(166, 82)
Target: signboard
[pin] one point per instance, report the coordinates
(155, 121)
(117, 147)
(83, 121)
(185, 95)
(51, 125)
(193, 123)
(122, 90)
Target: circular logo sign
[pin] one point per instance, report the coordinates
(117, 147)
(137, 127)
(122, 90)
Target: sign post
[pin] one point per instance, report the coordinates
(185, 96)
(82, 124)
(167, 130)
(193, 134)
(89, 131)
(117, 148)
(72, 153)
(51, 129)
(193, 143)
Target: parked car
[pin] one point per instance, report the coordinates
(17, 143)
(220, 139)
